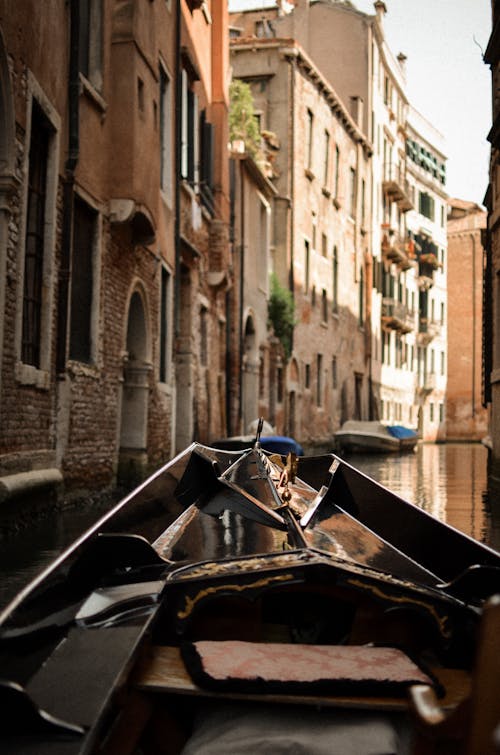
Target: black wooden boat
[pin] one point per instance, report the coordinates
(241, 553)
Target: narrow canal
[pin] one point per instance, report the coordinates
(449, 481)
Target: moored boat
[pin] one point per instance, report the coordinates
(282, 583)
(356, 436)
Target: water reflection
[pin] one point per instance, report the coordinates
(447, 480)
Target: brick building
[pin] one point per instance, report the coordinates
(466, 417)
(112, 272)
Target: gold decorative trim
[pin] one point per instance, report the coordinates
(440, 620)
(190, 603)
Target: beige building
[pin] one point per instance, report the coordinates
(320, 245)
(400, 196)
(466, 417)
(255, 355)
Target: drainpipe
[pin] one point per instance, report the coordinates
(241, 307)
(292, 181)
(177, 169)
(230, 301)
(68, 188)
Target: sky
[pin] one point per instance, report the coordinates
(447, 79)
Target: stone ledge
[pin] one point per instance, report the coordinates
(12, 486)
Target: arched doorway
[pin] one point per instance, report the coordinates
(134, 408)
(250, 374)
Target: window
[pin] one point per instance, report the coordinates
(335, 281)
(82, 281)
(363, 200)
(307, 262)
(309, 139)
(386, 347)
(361, 293)
(90, 41)
(35, 237)
(334, 373)
(386, 90)
(324, 244)
(324, 305)
(165, 134)
(164, 329)
(337, 171)
(307, 377)
(426, 205)
(326, 165)
(319, 379)
(207, 151)
(189, 130)
(443, 363)
(352, 193)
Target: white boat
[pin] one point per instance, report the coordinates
(357, 436)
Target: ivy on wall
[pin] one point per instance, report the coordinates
(281, 314)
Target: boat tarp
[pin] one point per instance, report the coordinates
(398, 431)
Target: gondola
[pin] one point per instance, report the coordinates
(239, 596)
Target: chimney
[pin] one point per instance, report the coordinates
(402, 61)
(381, 9)
(357, 110)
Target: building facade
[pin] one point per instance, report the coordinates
(400, 220)
(319, 242)
(113, 273)
(427, 237)
(466, 417)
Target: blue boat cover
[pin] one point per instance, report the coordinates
(281, 444)
(398, 431)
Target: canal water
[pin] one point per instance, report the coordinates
(448, 480)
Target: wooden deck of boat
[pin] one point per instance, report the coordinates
(162, 670)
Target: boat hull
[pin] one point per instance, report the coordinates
(231, 547)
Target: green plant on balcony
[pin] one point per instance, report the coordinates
(281, 314)
(243, 124)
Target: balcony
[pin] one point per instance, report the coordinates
(427, 331)
(426, 383)
(396, 187)
(398, 249)
(395, 316)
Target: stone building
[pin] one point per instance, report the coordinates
(320, 249)
(112, 272)
(466, 417)
(253, 350)
(387, 191)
